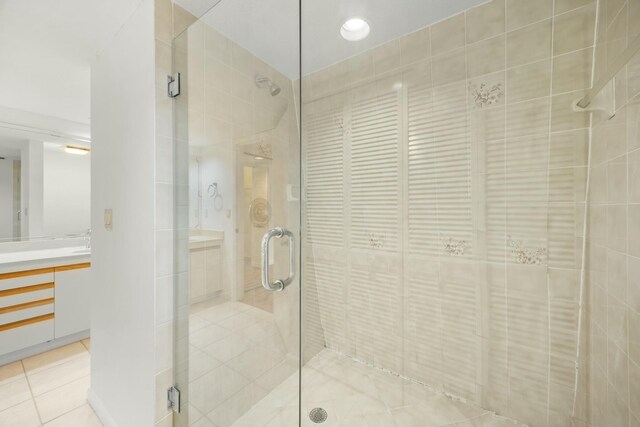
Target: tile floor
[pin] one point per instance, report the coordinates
(241, 376)
(48, 389)
(236, 357)
(356, 395)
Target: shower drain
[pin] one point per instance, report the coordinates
(318, 415)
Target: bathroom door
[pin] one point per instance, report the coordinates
(237, 170)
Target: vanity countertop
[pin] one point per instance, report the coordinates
(201, 241)
(14, 261)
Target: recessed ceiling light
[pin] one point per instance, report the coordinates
(354, 29)
(72, 149)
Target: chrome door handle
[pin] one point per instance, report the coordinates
(278, 285)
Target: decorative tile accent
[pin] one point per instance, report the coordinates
(527, 254)
(376, 241)
(484, 96)
(345, 126)
(454, 246)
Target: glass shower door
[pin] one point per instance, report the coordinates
(237, 153)
(443, 213)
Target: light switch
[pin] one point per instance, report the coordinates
(108, 218)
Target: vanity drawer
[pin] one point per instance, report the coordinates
(25, 311)
(25, 333)
(26, 294)
(21, 279)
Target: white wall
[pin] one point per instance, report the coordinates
(6, 198)
(123, 268)
(67, 193)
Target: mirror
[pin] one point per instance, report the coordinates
(45, 187)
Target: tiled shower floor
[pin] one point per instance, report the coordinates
(354, 394)
(237, 350)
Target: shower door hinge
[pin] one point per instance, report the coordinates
(173, 85)
(173, 398)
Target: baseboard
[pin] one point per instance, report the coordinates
(100, 409)
(41, 348)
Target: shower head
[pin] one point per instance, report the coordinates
(265, 82)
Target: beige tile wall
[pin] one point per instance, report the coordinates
(528, 158)
(610, 361)
(481, 325)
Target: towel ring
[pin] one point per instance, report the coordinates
(212, 191)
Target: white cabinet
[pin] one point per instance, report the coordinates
(205, 279)
(26, 335)
(41, 305)
(26, 308)
(72, 301)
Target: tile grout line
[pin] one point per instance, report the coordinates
(505, 262)
(12, 380)
(41, 370)
(70, 410)
(33, 398)
(553, 15)
(548, 188)
(585, 223)
(626, 198)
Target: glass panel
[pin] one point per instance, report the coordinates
(444, 178)
(238, 148)
(443, 215)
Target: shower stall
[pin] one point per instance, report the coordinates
(410, 213)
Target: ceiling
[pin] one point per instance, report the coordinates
(46, 48)
(269, 28)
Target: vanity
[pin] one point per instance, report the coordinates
(44, 300)
(205, 260)
(45, 239)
